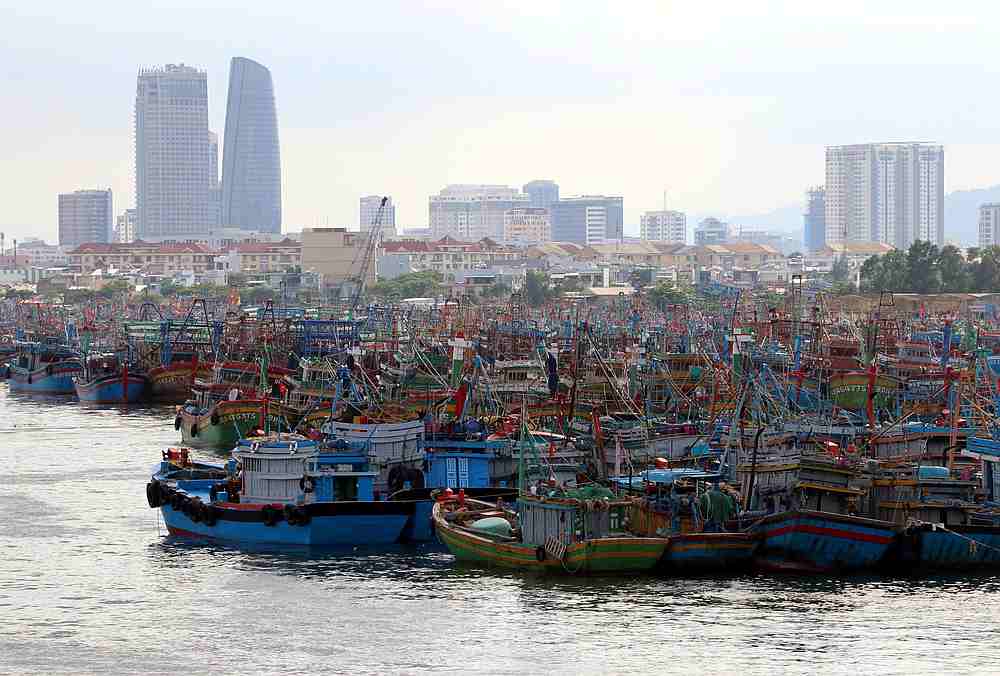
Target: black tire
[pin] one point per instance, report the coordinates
(215, 418)
(210, 515)
(153, 496)
(271, 515)
(540, 553)
(291, 515)
(194, 430)
(177, 502)
(177, 423)
(195, 510)
(303, 516)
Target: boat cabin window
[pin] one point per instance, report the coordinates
(345, 488)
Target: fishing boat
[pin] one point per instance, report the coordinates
(277, 489)
(105, 379)
(560, 535)
(804, 504)
(688, 507)
(44, 368)
(172, 382)
(234, 404)
(946, 524)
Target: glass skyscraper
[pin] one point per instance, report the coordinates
(251, 162)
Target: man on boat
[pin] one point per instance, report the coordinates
(717, 508)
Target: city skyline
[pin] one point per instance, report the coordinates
(347, 125)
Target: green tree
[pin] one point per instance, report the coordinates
(114, 288)
(841, 269)
(923, 275)
(168, 288)
(665, 293)
(537, 287)
(424, 284)
(986, 270)
(956, 274)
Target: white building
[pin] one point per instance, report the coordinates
(40, 254)
(369, 209)
(528, 225)
(891, 193)
(173, 157)
(664, 226)
(125, 227)
(471, 212)
(712, 231)
(989, 224)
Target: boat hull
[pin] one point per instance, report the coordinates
(227, 422)
(601, 556)
(695, 553)
(821, 542)
(173, 382)
(951, 548)
(335, 524)
(116, 389)
(54, 379)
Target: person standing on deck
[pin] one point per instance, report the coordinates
(716, 508)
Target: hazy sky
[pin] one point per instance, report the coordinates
(727, 105)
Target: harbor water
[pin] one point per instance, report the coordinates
(90, 583)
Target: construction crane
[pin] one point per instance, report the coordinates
(364, 255)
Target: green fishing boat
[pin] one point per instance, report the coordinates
(546, 535)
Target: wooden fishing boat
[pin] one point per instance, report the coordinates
(687, 507)
(806, 501)
(42, 368)
(106, 380)
(559, 536)
(172, 382)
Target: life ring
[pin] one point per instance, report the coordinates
(153, 496)
(215, 418)
(177, 423)
(194, 430)
(540, 554)
(6, 340)
(307, 484)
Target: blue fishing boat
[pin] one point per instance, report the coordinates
(44, 368)
(458, 463)
(105, 379)
(946, 524)
(804, 502)
(278, 489)
(821, 542)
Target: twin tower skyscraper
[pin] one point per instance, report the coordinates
(177, 189)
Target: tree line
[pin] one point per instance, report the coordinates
(924, 268)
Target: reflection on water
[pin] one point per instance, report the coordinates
(89, 582)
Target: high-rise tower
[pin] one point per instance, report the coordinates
(885, 192)
(172, 157)
(251, 160)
